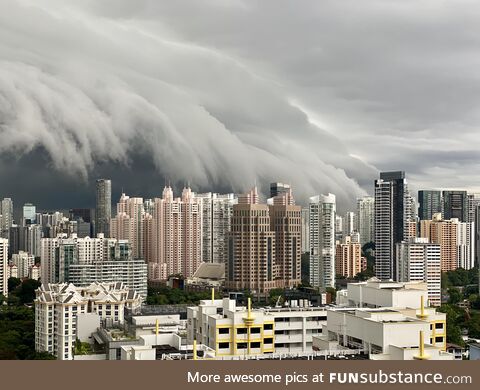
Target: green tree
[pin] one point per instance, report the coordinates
(454, 296)
(13, 283)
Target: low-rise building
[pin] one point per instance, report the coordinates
(234, 331)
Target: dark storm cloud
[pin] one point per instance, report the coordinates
(222, 94)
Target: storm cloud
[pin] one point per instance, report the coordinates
(220, 94)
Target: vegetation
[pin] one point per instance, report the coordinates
(174, 296)
(82, 348)
(460, 277)
(17, 322)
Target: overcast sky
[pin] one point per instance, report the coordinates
(222, 94)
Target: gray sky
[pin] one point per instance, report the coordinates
(221, 94)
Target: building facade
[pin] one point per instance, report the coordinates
(103, 210)
(322, 211)
(3, 266)
(365, 219)
(348, 257)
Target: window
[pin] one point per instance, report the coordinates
(439, 325)
(223, 345)
(242, 331)
(255, 330)
(255, 345)
(242, 346)
(268, 340)
(223, 331)
(439, 339)
(268, 326)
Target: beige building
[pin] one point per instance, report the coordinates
(286, 223)
(348, 257)
(24, 261)
(251, 256)
(3, 266)
(177, 235)
(455, 238)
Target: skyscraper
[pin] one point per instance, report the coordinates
(365, 219)
(430, 203)
(348, 257)
(103, 211)
(278, 189)
(3, 266)
(29, 214)
(177, 235)
(6, 216)
(305, 230)
(393, 214)
(455, 205)
(217, 210)
(286, 223)
(251, 246)
(322, 240)
(420, 260)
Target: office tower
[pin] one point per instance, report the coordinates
(14, 239)
(278, 189)
(286, 223)
(348, 257)
(305, 230)
(6, 217)
(29, 214)
(251, 248)
(23, 261)
(418, 260)
(365, 219)
(103, 211)
(177, 235)
(349, 222)
(322, 240)
(84, 221)
(59, 308)
(455, 239)
(430, 203)
(3, 266)
(474, 219)
(128, 223)
(85, 214)
(393, 214)
(86, 260)
(30, 236)
(217, 211)
(455, 205)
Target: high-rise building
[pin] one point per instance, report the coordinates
(14, 239)
(23, 261)
(305, 230)
(3, 266)
(455, 205)
(278, 189)
(430, 203)
(177, 235)
(30, 236)
(60, 307)
(286, 223)
(393, 214)
(322, 209)
(217, 210)
(86, 260)
(418, 260)
(29, 214)
(251, 246)
(455, 239)
(365, 219)
(348, 257)
(6, 217)
(349, 223)
(338, 227)
(128, 223)
(103, 211)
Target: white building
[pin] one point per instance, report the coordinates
(58, 305)
(365, 219)
(386, 333)
(217, 211)
(349, 223)
(322, 209)
(3, 266)
(24, 261)
(34, 272)
(305, 230)
(6, 216)
(234, 332)
(420, 261)
(375, 293)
